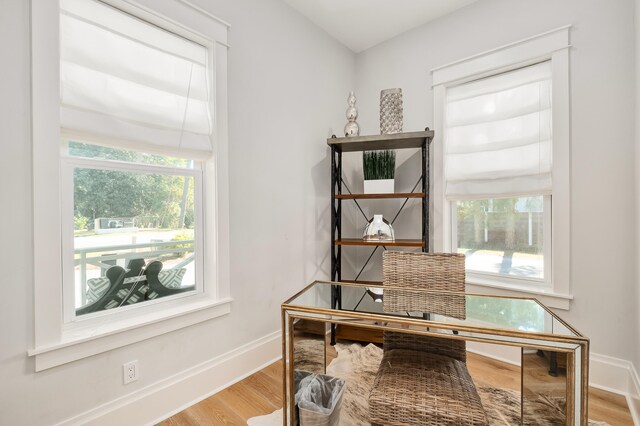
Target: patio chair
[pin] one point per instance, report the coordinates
(125, 287)
(135, 284)
(164, 283)
(423, 380)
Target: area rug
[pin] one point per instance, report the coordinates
(358, 366)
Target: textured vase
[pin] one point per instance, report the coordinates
(378, 229)
(391, 111)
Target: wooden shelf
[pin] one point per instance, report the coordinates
(396, 243)
(377, 142)
(354, 333)
(380, 196)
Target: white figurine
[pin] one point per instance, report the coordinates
(352, 128)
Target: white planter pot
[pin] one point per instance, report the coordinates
(379, 186)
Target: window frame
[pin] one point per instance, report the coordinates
(68, 164)
(55, 342)
(554, 46)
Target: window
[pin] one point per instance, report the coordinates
(497, 144)
(138, 110)
(129, 210)
(502, 165)
(502, 236)
(144, 89)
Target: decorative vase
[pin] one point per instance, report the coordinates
(352, 128)
(378, 229)
(391, 111)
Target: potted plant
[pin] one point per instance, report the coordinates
(379, 169)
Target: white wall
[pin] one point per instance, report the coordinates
(288, 82)
(602, 117)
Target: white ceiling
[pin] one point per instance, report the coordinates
(361, 24)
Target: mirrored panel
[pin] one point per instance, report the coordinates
(313, 389)
(309, 338)
(544, 387)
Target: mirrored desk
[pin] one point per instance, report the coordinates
(520, 322)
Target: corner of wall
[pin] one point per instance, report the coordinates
(637, 177)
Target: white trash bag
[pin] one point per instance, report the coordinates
(318, 398)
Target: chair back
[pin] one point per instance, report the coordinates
(412, 279)
(165, 283)
(119, 291)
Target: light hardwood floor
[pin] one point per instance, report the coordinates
(261, 393)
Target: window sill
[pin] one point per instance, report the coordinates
(548, 297)
(82, 343)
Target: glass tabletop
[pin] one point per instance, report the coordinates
(523, 315)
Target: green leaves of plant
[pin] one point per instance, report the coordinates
(378, 164)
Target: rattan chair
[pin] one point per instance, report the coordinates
(423, 380)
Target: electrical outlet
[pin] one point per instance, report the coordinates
(130, 372)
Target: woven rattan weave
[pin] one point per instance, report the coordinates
(423, 380)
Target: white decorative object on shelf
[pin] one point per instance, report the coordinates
(376, 293)
(379, 186)
(352, 128)
(391, 111)
(378, 229)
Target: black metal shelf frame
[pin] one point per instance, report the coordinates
(338, 146)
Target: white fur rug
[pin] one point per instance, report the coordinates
(358, 366)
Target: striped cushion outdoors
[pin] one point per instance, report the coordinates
(172, 278)
(96, 287)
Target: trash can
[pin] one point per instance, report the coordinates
(301, 380)
(318, 399)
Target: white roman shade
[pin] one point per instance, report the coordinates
(497, 136)
(127, 83)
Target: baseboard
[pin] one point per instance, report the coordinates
(156, 402)
(618, 376)
(633, 397)
(610, 374)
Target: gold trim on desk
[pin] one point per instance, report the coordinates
(458, 293)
